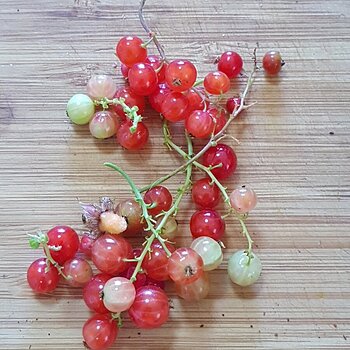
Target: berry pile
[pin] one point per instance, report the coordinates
(131, 280)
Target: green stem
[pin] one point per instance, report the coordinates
(53, 262)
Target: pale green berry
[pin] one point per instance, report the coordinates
(80, 109)
(242, 271)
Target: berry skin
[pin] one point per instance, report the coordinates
(124, 70)
(180, 75)
(208, 223)
(216, 83)
(103, 125)
(185, 266)
(219, 118)
(40, 280)
(243, 200)
(174, 106)
(150, 308)
(156, 62)
(78, 271)
(132, 213)
(86, 243)
(240, 271)
(194, 291)
(130, 51)
(205, 194)
(223, 154)
(118, 294)
(143, 79)
(100, 332)
(195, 101)
(66, 238)
(160, 198)
(109, 252)
(131, 100)
(80, 109)
(272, 62)
(92, 293)
(100, 86)
(230, 63)
(200, 124)
(232, 104)
(157, 97)
(132, 141)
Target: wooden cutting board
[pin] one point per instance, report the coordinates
(294, 151)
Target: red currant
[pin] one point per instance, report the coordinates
(130, 50)
(86, 243)
(216, 83)
(100, 332)
(132, 212)
(150, 308)
(185, 266)
(159, 66)
(78, 271)
(219, 118)
(42, 277)
(195, 101)
(233, 104)
(159, 198)
(208, 223)
(221, 154)
(230, 63)
(124, 70)
(157, 97)
(272, 62)
(200, 124)
(66, 238)
(205, 194)
(174, 106)
(143, 79)
(132, 141)
(180, 75)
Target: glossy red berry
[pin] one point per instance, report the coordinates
(42, 278)
(66, 238)
(150, 308)
(135, 140)
(157, 97)
(230, 63)
(221, 154)
(200, 124)
(219, 118)
(143, 79)
(174, 106)
(216, 83)
(208, 223)
(159, 66)
(195, 101)
(159, 198)
(124, 70)
(180, 75)
(272, 62)
(205, 193)
(130, 51)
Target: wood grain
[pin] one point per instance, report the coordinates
(294, 151)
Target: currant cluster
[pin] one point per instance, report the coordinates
(131, 280)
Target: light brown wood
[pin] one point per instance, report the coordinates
(294, 151)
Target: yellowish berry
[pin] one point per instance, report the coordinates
(112, 223)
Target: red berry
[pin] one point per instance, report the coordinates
(200, 124)
(66, 238)
(157, 97)
(42, 278)
(143, 79)
(156, 62)
(131, 100)
(272, 62)
(216, 83)
(195, 101)
(141, 278)
(232, 104)
(109, 252)
(230, 63)
(180, 75)
(219, 118)
(174, 106)
(221, 154)
(124, 70)
(208, 223)
(205, 193)
(100, 332)
(160, 198)
(150, 308)
(92, 293)
(86, 243)
(130, 51)
(132, 141)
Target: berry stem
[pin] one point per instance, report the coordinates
(149, 31)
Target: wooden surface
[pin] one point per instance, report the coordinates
(294, 151)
